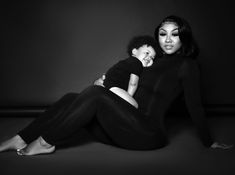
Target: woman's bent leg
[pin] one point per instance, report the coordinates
(122, 122)
(33, 130)
(126, 126)
(80, 114)
(43, 122)
(77, 115)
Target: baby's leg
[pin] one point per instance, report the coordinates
(124, 95)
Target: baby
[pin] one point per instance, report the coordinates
(122, 78)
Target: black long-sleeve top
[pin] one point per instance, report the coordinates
(162, 83)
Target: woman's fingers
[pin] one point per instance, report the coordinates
(221, 145)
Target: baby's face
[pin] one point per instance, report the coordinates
(145, 54)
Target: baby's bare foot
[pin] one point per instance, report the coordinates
(13, 143)
(39, 146)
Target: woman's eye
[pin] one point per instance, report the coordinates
(175, 34)
(162, 34)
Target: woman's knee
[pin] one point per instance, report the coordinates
(70, 95)
(95, 91)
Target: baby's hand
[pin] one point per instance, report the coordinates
(100, 81)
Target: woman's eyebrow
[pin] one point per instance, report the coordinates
(175, 29)
(172, 30)
(162, 29)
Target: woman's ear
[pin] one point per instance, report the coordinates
(134, 51)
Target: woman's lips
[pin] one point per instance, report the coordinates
(168, 47)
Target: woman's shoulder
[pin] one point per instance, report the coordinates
(189, 63)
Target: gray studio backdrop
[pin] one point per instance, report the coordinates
(54, 47)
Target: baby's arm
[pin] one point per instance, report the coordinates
(133, 83)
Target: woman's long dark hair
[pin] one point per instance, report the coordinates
(189, 47)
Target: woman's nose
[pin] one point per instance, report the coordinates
(168, 39)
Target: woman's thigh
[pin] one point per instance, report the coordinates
(125, 125)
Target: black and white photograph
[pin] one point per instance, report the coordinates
(117, 87)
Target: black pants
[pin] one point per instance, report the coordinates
(122, 123)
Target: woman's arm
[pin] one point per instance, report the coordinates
(133, 83)
(190, 77)
(191, 83)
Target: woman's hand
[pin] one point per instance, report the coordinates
(100, 81)
(221, 145)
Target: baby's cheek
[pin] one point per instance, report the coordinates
(150, 63)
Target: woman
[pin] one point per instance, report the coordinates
(175, 74)
(114, 121)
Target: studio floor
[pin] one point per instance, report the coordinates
(185, 155)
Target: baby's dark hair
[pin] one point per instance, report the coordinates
(138, 41)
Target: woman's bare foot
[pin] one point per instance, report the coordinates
(38, 146)
(13, 143)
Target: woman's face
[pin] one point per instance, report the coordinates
(168, 37)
